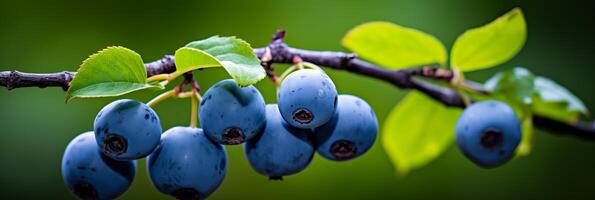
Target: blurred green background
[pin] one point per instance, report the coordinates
(49, 36)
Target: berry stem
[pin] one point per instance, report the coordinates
(311, 66)
(464, 97)
(458, 82)
(287, 72)
(161, 97)
(197, 96)
(284, 75)
(159, 77)
(184, 95)
(194, 109)
(164, 83)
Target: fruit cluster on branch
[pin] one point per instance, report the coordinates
(279, 139)
(279, 52)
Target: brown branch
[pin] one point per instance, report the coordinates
(279, 52)
(164, 65)
(16, 79)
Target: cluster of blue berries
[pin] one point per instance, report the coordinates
(280, 139)
(102, 164)
(190, 163)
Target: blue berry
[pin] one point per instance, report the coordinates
(230, 114)
(351, 131)
(307, 98)
(91, 175)
(280, 150)
(127, 130)
(186, 164)
(488, 133)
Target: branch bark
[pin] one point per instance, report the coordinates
(279, 52)
(15, 79)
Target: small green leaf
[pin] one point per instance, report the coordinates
(491, 44)
(417, 131)
(188, 59)
(235, 55)
(555, 101)
(394, 46)
(113, 71)
(516, 85)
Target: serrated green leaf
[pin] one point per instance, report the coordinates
(113, 71)
(417, 131)
(515, 84)
(491, 44)
(235, 55)
(394, 46)
(555, 101)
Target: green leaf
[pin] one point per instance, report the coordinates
(394, 46)
(515, 84)
(555, 101)
(188, 59)
(491, 44)
(235, 55)
(113, 71)
(417, 131)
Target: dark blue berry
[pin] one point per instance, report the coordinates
(127, 130)
(280, 150)
(307, 98)
(91, 175)
(186, 164)
(488, 133)
(351, 131)
(230, 114)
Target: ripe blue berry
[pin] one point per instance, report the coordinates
(488, 133)
(351, 131)
(91, 175)
(280, 150)
(127, 130)
(186, 164)
(307, 98)
(230, 114)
